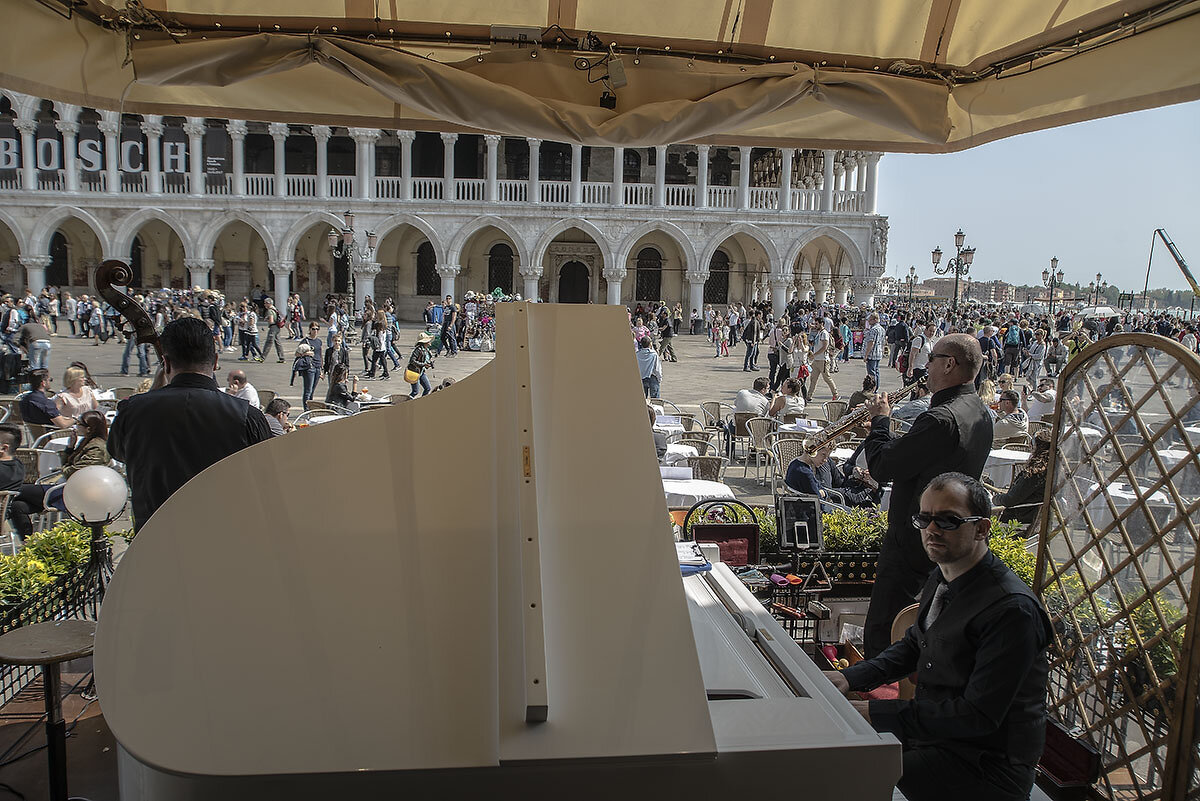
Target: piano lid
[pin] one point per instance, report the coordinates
(405, 589)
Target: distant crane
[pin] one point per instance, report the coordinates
(1175, 254)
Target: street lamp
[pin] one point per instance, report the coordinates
(911, 281)
(960, 264)
(345, 244)
(1099, 287)
(1052, 280)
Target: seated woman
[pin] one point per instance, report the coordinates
(788, 401)
(801, 474)
(1023, 500)
(88, 445)
(861, 396)
(76, 396)
(339, 394)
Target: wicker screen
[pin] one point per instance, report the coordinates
(1115, 565)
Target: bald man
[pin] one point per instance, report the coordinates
(237, 385)
(955, 435)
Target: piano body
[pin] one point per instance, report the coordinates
(472, 594)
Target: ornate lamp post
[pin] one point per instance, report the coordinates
(1098, 286)
(345, 244)
(911, 280)
(960, 264)
(1052, 280)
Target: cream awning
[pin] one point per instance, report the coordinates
(919, 76)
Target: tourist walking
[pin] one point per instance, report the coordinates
(650, 367)
(750, 339)
(821, 354)
(873, 340)
(276, 321)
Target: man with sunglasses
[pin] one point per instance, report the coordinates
(976, 724)
(955, 434)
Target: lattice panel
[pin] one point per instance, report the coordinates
(1118, 546)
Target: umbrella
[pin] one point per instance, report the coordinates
(876, 74)
(1033, 308)
(1098, 311)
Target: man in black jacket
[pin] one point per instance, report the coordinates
(955, 434)
(975, 727)
(168, 435)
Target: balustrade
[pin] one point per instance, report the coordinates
(52, 184)
(427, 188)
(301, 186)
(556, 191)
(722, 197)
(639, 194)
(764, 197)
(224, 186)
(135, 183)
(12, 181)
(386, 188)
(470, 189)
(341, 186)
(681, 195)
(849, 200)
(177, 184)
(508, 191)
(260, 185)
(597, 193)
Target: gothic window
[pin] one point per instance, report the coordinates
(428, 281)
(649, 275)
(632, 173)
(500, 269)
(716, 288)
(56, 273)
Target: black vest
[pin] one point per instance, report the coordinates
(947, 658)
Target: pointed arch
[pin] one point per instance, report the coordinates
(128, 230)
(746, 229)
(396, 220)
(673, 231)
(547, 236)
(18, 233)
(47, 224)
(287, 245)
(478, 224)
(208, 239)
(858, 263)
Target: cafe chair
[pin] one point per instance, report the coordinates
(905, 618)
(759, 428)
(835, 410)
(703, 447)
(668, 407)
(784, 450)
(8, 535)
(707, 468)
(265, 396)
(121, 393)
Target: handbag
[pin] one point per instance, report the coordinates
(803, 371)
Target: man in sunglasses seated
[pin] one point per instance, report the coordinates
(955, 433)
(975, 727)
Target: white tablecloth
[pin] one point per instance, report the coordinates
(316, 420)
(668, 428)
(691, 491)
(104, 394)
(804, 425)
(678, 453)
(675, 473)
(1002, 464)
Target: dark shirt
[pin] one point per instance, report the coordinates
(1027, 492)
(315, 344)
(339, 394)
(334, 357)
(167, 436)
(31, 332)
(660, 444)
(801, 478)
(981, 669)
(12, 475)
(36, 408)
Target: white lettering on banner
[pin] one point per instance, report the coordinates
(9, 157)
(90, 157)
(49, 155)
(126, 154)
(174, 157)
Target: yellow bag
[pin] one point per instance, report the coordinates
(411, 376)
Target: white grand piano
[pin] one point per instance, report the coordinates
(474, 594)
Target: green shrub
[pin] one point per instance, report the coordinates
(1162, 654)
(854, 529)
(1012, 551)
(46, 556)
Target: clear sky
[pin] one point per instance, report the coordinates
(1090, 194)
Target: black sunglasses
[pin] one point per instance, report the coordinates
(933, 356)
(944, 522)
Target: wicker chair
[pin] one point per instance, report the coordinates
(835, 410)
(712, 412)
(1021, 442)
(121, 393)
(1037, 425)
(30, 458)
(7, 534)
(704, 447)
(793, 417)
(783, 451)
(690, 423)
(668, 407)
(740, 433)
(759, 428)
(316, 405)
(707, 468)
(265, 396)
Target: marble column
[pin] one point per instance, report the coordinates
(696, 281)
(535, 186)
(322, 133)
(492, 144)
(364, 281)
(199, 271)
(282, 270)
(785, 180)
(576, 174)
(529, 280)
(827, 181)
(194, 128)
(448, 140)
(364, 145)
(28, 153)
(237, 139)
(618, 179)
(616, 280)
(872, 181)
(841, 289)
(70, 133)
(448, 273)
(779, 294)
(153, 129)
(406, 142)
(744, 177)
(701, 176)
(35, 271)
(660, 175)
(110, 126)
(279, 133)
(839, 183)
